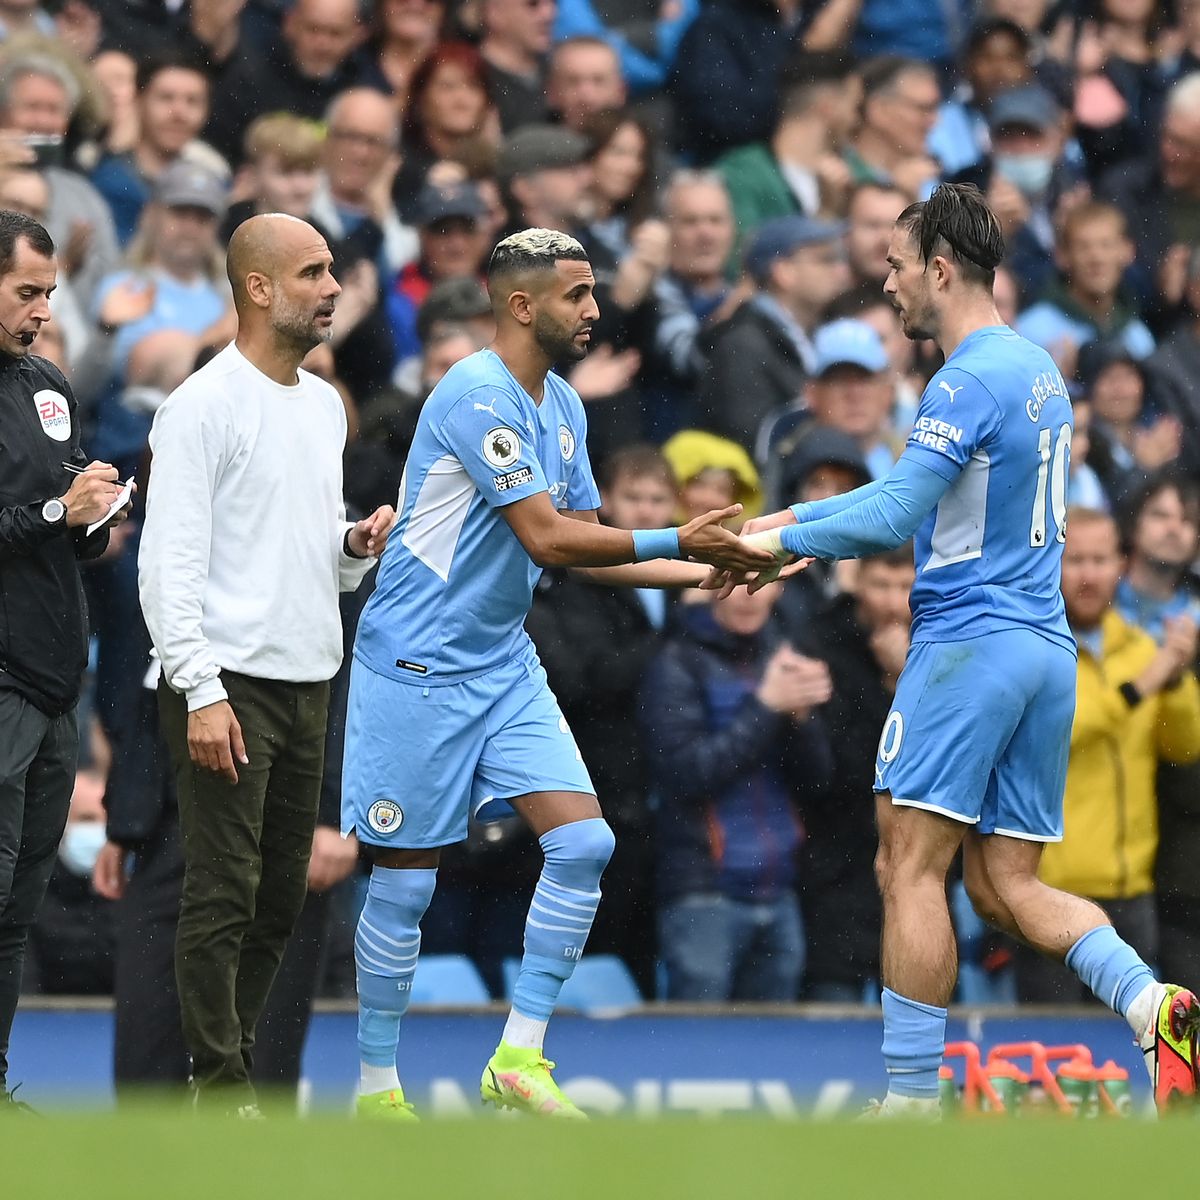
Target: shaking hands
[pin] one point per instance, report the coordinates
(706, 540)
(761, 534)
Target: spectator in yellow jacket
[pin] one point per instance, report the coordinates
(1162, 535)
(1137, 704)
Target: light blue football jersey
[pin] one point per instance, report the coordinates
(455, 584)
(996, 423)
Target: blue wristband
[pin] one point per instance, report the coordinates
(655, 543)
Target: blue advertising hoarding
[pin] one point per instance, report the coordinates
(648, 1062)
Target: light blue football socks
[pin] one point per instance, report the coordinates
(386, 945)
(914, 1043)
(1112, 968)
(560, 919)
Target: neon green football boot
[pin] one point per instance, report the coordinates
(1171, 1046)
(521, 1079)
(384, 1106)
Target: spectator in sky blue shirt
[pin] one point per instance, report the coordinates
(1088, 301)
(174, 282)
(646, 40)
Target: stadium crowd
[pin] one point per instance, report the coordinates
(734, 168)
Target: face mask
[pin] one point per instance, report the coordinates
(1028, 173)
(144, 400)
(81, 845)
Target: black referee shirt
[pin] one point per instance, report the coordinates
(43, 614)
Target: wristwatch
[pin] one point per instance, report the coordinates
(54, 512)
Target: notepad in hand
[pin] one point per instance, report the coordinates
(114, 508)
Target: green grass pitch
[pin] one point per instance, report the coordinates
(173, 1157)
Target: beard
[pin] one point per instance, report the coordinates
(1163, 560)
(918, 319)
(1086, 616)
(299, 325)
(918, 326)
(555, 342)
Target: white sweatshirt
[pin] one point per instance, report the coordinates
(242, 552)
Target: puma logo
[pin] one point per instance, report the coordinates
(950, 391)
(487, 408)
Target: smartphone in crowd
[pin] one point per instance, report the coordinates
(47, 149)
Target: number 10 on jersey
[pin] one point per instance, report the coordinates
(1056, 474)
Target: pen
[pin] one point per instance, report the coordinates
(76, 470)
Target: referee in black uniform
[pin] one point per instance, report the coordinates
(44, 514)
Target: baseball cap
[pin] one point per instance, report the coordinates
(780, 236)
(460, 299)
(1029, 106)
(849, 342)
(539, 148)
(815, 445)
(1097, 356)
(435, 204)
(186, 185)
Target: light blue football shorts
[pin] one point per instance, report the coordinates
(421, 758)
(980, 731)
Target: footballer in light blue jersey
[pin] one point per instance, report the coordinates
(450, 714)
(455, 585)
(982, 486)
(995, 424)
(974, 751)
(994, 427)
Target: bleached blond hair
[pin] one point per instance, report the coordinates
(542, 245)
(526, 252)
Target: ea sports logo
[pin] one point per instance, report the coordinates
(501, 447)
(53, 414)
(385, 816)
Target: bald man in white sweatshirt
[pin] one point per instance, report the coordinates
(243, 553)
